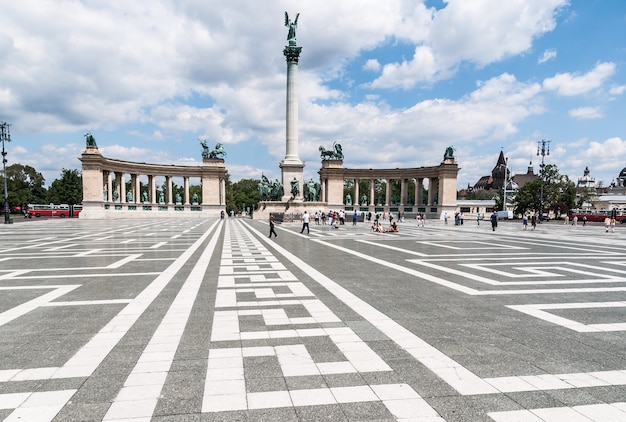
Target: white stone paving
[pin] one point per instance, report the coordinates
(225, 386)
(250, 270)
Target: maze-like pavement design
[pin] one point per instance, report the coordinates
(210, 320)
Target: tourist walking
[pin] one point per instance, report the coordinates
(272, 231)
(525, 222)
(355, 217)
(533, 221)
(494, 221)
(305, 222)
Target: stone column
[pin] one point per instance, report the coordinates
(122, 186)
(292, 167)
(109, 187)
(356, 200)
(152, 189)
(170, 197)
(372, 191)
(186, 200)
(403, 186)
(388, 192)
(137, 185)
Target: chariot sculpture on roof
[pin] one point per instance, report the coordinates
(218, 152)
(336, 153)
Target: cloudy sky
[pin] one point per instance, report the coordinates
(395, 82)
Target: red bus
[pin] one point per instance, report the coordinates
(52, 210)
(598, 215)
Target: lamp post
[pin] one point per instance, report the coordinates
(5, 135)
(506, 168)
(543, 149)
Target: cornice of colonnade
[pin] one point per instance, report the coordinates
(398, 173)
(93, 160)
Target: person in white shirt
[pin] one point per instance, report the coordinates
(305, 222)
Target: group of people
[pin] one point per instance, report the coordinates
(377, 227)
(336, 217)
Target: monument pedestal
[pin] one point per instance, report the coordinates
(290, 170)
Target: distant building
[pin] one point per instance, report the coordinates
(586, 182)
(499, 174)
(523, 178)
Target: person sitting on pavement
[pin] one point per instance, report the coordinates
(394, 227)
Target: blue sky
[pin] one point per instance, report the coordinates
(395, 82)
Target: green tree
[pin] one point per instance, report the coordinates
(244, 193)
(25, 185)
(527, 198)
(68, 189)
(559, 193)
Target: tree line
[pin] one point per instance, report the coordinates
(25, 185)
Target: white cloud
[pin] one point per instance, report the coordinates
(569, 84)
(372, 65)
(617, 90)
(586, 113)
(547, 55)
(482, 32)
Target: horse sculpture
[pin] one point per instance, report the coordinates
(270, 191)
(333, 154)
(218, 152)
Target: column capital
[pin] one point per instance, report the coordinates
(292, 53)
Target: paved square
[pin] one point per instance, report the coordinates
(195, 320)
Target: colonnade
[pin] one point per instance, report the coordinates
(441, 197)
(105, 192)
(115, 190)
(418, 194)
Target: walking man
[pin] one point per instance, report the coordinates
(272, 231)
(494, 221)
(305, 222)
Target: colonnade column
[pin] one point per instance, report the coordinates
(168, 181)
(419, 191)
(356, 192)
(372, 191)
(403, 186)
(151, 189)
(388, 192)
(109, 187)
(121, 185)
(137, 185)
(186, 200)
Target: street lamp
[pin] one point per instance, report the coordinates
(506, 165)
(543, 149)
(5, 135)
